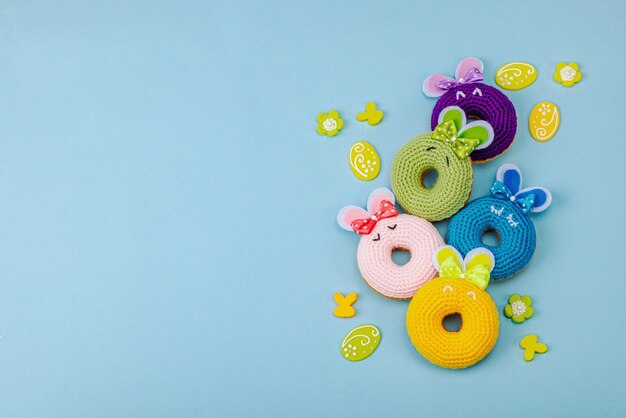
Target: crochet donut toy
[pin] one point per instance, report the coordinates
(478, 100)
(506, 212)
(459, 289)
(383, 230)
(445, 150)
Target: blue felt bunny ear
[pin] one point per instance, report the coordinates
(543, 197)
(511, 176)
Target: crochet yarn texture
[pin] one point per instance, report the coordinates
(486, 103)
(452, 188)
(381, 273)
(453, 350)
(515, 229)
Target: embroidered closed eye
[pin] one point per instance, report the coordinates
(472, 294)
(447, 288)
(377, 238)
(430, 148)
(477, 91)
(392, 227)
(459, 94)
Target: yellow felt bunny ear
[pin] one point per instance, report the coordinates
(449, 259)
(479, 256)
(478, 265)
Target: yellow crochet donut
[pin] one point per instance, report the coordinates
(458, 290)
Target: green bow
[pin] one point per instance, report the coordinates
(476, 273)
(448, 133)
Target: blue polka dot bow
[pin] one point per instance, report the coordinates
(500, 191)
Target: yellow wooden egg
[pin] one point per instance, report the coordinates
(364, 161)
(544, 121)
(516, 75)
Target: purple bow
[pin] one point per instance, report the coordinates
(473, 76)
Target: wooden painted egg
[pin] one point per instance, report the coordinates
(364, 161)
(516, 75)
(360, 343)
(544, 121)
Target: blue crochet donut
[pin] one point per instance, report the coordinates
(506, 213)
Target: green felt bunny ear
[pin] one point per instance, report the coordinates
(454, 114)
(463, 137)
(479, 131)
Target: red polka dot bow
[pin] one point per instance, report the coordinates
(365, 226)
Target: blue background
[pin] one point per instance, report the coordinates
(168, 244)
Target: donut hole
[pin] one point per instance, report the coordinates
(452, 322)
(491, 237)
(400, 256)
(429, 178)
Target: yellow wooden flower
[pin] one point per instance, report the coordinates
(567, 74)
(329, 123)
(519, 308)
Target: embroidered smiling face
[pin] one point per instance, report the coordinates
(462, 281)
(451, 189)
(459, 294)
(483, 102)
(466, 94)
(506, 211)
(478, 100)
(403, 232)
(387, 230)
(438, 154)
(382, 231)
(459, 290)
(445, 151)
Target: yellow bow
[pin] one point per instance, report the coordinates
(476, 273)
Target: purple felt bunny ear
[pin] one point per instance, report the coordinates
(469, 70)
(431, 88)
(466, 67)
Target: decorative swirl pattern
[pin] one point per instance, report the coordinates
(360, 343)
(544, 121)
(364, 161)
(516, 75)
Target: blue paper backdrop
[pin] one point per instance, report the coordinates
(168, 245)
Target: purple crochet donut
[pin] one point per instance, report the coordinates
(478, 100)
(490, 105)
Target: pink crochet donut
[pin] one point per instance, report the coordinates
(383, 230)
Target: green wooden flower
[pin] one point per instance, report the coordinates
(519, 308)
(329, 123)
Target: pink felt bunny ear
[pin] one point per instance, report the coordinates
(430, 85)
(465, 66)
(376, 198)
(349, 214)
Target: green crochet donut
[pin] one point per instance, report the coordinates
(452, 188)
